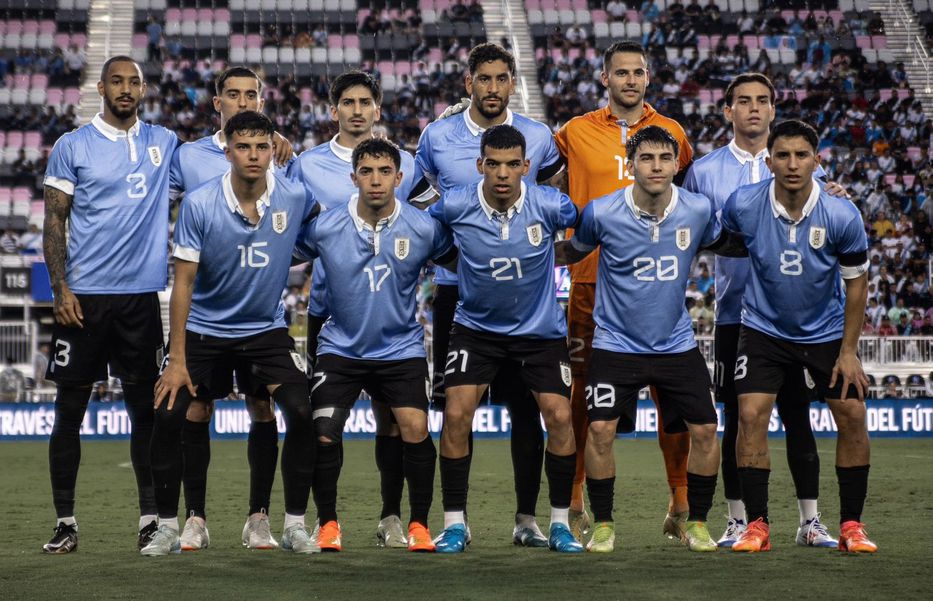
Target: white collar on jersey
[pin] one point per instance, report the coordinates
(510, 212)
(261, 203)
(778, 210)
(476, 129)
(343, 153)
(743, 156)
(639, 214)
(381, 224)
(111, 132)
(217, 142)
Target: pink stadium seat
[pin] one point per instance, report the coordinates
(750, 42)
(836, 16)
(903, 93)
(540, 53)
(879, 41)
(39, 80)
(2, 27)
(717, 95)
(47, 27)
(574, 54)
(140, 40)
(21, 194)
(53, 97)
(14, 139)
(788, 15)
(706, 97)
(21, 81)
(913, 153)
(79, 40)
(6, 195)
(425, 4)
(533, 4)
(173, 14)
(61, 40)
(14, 27)
(435, 55)
(598, 16)
(732, 41)
(351, 41)
(30, 27)
(335, 40)
(714, 40)
(364, 12)
(862, 41)
(590, 53)
(439, 107)
(889, 178)
(632, 16)
(205, 14)
(403, 68)
(33, 139)
(72, 96)
(189, 14)
(254, 40)
(703, 41)
(580, 5)
(885, 93)
(386, 67)
(820, 14)
(221, 15)
(37, 207)
(238, 40)
(2, 139)
(909, 180)
(564, 5)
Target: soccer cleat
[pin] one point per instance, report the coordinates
(814, 534)
(757, 537)
(419, 538)
(64, 540)
(673, 527)
(854, 539)
(297, 540)
(562, 541)
(145, 534)
(194, 536)
(328, 538)
(604, 538)
(734, 529)
(257, 534)
(452, 539)
(580, 524)
(164, 542)
(528, 535)
(697, 538)
(389, 533)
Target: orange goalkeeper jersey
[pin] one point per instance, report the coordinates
(594, 150)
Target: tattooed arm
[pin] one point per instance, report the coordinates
(57, 210)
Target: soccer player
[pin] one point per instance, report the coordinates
(749, 106)
(798, 314)
(648, 234)
(233, 245)
(594, 147)
(446, 157)
(507, 309)
(194, 163)
(373, 249)
(106, 240)
(326, 170)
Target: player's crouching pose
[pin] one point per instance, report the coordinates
(507, 310)
(796, 314)
(233, 246)
(648, 235)
(373, 249)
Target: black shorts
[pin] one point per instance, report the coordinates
(798, 385)
(338, 381)
(261, 360)
(445, 303)
(765, 364)
(475, 357)
(685, 392)
(123, 331)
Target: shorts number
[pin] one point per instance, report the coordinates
(719, 373)
(319, 377)
(452, 361)
(376, 283)
(791, 262)
(664, 268)
(139, 189)
(601, 395)
(741, 367)
(577, 346)
(63, 353)
(251, 256)
(500, 265)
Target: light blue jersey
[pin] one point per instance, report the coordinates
(794, 291)
(644, 265)
(506, 264)
(372, 278)
(118, 226)
(242, 268)
(716, 176)
(448, 149)
(325, 171)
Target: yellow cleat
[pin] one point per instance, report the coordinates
(697, 538)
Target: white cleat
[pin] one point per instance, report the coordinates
(814, 534)
(164, 542)
(257, 533)
(389, 533)
(297, 540)
(194, 536)
(734, 529)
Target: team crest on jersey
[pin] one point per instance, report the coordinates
(683, 238)
(565, 374)
(817, 237)
(535, 234)
(279, 221)
(402, 248)
(155, 155)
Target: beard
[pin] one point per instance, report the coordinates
(622, 101)
(487, 114)
(120, 113)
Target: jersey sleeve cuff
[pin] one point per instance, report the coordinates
(187, 254)
(58, 183)
(581, 246)
(851, 272)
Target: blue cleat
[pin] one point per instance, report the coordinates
(562, 540)
(452, 540)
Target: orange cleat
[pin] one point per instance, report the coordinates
(852, 538)
(329, 537)
(419, 538)
(757, 537)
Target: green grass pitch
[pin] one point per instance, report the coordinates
(645, 565)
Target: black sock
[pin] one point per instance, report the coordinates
(560, 470)
(803, 459)
(196, 451)
(391, 473)
(65, 446)
(601, 496)
(420, 459)
(700, 491)
(730, 471)
(755, 492)
(326, 474)
(166, 453)
(299, 448)
(455, 482)
(527, 452)
(262, 450)
(853, 488)
(138, 401)
(315, 323)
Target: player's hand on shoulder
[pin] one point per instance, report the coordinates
(836, 189)
(283, 149)
(455, 109)
(67, 308)
(174, 378)
(849, 368)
